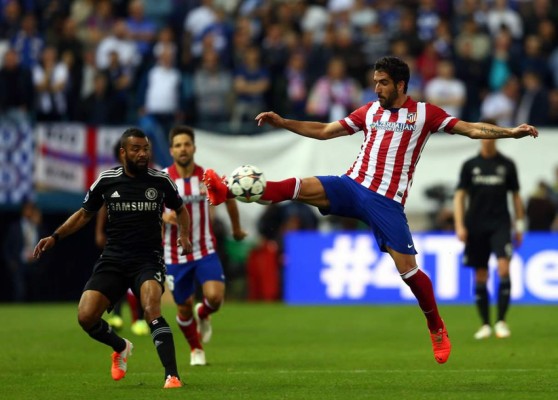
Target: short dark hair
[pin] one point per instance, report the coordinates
(181, 130)
(131, 132)
(396, 68)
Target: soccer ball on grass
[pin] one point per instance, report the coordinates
(247, 183)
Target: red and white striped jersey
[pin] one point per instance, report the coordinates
(393, 142)
(194, 195)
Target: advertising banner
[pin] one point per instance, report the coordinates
(349, 268)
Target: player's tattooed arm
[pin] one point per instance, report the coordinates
(483, 130)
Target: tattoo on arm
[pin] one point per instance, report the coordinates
(491, 131)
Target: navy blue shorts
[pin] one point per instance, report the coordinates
(181, 277)
(384, 216)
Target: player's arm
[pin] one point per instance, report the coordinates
(73, 224)
(100, 224)
(519, 212)
(484, 130)
(459, 214)
(311, 129)
(234, 217)
(183, 220)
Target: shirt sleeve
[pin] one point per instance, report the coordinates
(464, 177)
(93, 200)
(355, 122)
(439, 120)
(172, 197)
(513, 180)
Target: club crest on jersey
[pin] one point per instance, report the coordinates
(412, 117)
(151, 194)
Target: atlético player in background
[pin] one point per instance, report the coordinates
(135, 196)
(485, 227)
(375, 187)
(202, 264)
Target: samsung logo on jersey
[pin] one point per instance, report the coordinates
(490, 180)
(134, 206)
(392, 126)
(194, 198)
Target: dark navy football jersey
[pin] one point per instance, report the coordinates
(135, 206)
(487, 182)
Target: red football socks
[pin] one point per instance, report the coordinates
(421, 286)
(190, 331)
(276, 192)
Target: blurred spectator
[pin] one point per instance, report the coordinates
(533, 104)
(375, 43)
(466, 10)
(88, 72)
(501, 14)
(159, 11)
(501, 106)
(389, 14)
(503, 64)
(296, 86)
(427, 62)
(443, 40)
(120, 80)
(165, 40)
(70, 49)
(98, 108)
(315, 20)
(346, 47)
(28, 42)
(196, 22)
(334, 95)
(408, 33)
(16, 95)
(318, 54)
(415, 87)
(251, 82)
(141, 30)
(546, 33)
(473, 73)
(119, 41)
(361, 16)
(212, 91)
(10, 19)
(98, 24)
(160, 96)
(275, 53)
(533, 60)
(541, 211)
(50, 79)
(445, 90)
(428, 19)
(472, 41)
(18, 251)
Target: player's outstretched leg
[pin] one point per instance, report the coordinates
(217, 189)
(120, 361)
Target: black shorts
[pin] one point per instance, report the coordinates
(113, 277)
(480, 245)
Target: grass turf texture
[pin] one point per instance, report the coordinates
(273, 351)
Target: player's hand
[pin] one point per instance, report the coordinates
(461, 233)
(524, 130)
(43, 245)
(186, 245)
(239, 234)
(269, 117)
(518, 239)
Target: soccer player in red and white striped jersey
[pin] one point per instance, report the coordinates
(202, 264)
(375, 187)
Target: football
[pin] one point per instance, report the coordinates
(247, 183)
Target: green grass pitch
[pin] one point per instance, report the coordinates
(274, 351)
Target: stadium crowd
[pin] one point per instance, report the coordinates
(215, 64)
